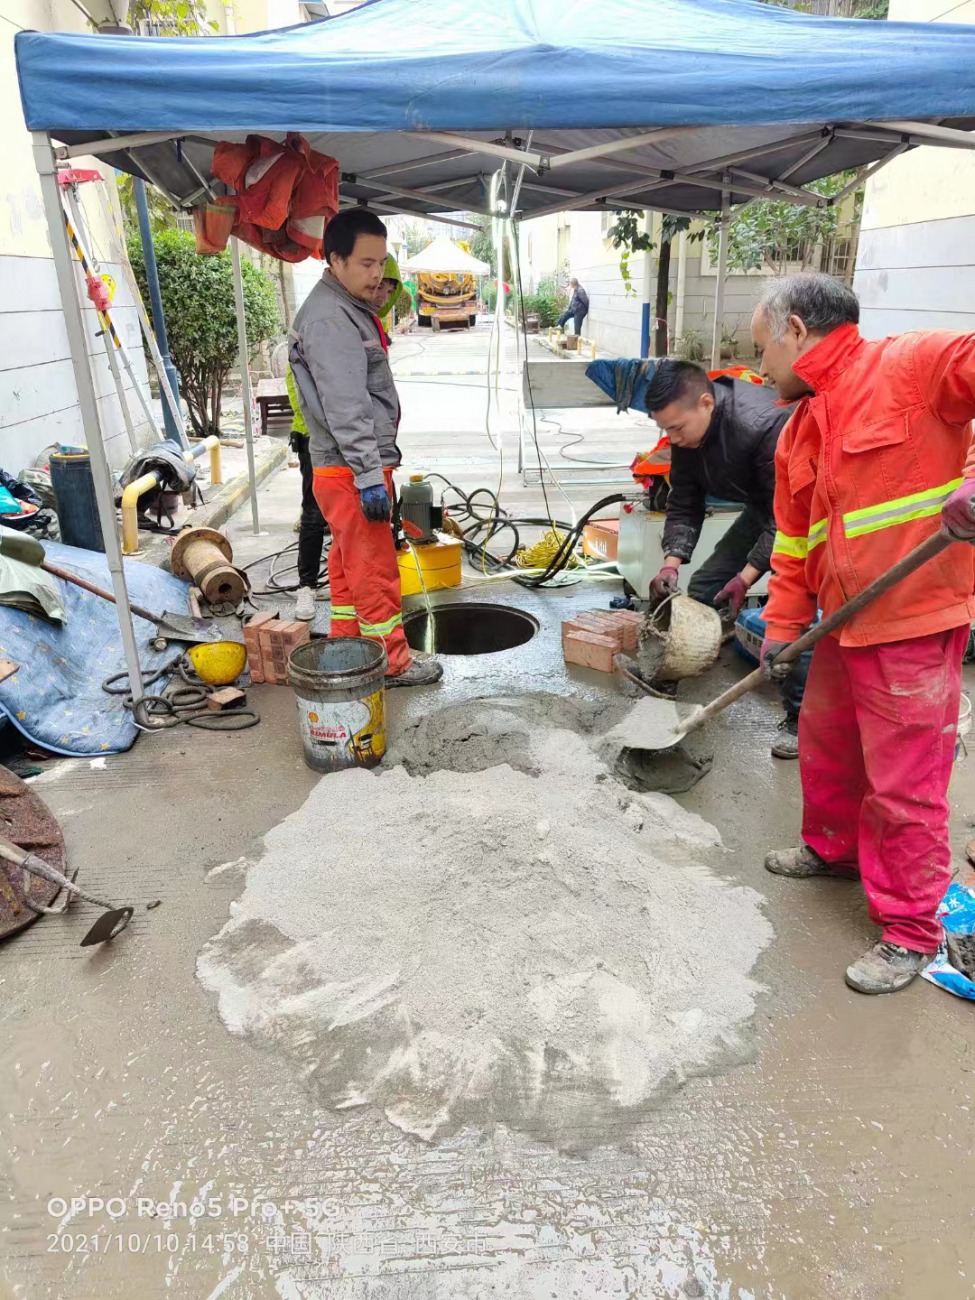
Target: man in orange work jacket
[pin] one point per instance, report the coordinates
(871, 463)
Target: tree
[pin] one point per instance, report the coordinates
(162, 214)
(627, 235)
(774, 235)
(482, 246)
(198, 300)
(172, 17)
(415, 238)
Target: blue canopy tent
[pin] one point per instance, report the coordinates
(683, 106)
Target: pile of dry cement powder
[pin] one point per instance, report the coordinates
(475, 946)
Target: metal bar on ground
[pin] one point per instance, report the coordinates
(245, 379)
(87, 400)
(719, 287)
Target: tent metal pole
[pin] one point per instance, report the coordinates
(87, 400)
(719, 287)
(173, 427)
(617, 146)
(506, 152)
(647, 289)
(113, 144)
(681, 285)
(245, 380)
(865, 174)
(930, 132)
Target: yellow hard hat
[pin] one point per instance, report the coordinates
(218, 663)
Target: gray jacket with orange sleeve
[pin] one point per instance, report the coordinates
(345, 384)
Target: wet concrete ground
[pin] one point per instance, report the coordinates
(836, 1162)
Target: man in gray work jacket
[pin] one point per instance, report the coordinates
(723, 435)
(348, 398)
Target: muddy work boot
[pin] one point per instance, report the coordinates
(803, 862)
(423, 671)
(886, 968)
(786, 743)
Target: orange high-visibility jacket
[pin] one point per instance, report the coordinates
(862, 469)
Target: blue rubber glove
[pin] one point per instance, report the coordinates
(376, 505)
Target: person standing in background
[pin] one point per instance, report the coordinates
(578, 308)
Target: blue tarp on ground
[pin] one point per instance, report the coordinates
(413, 65)
(56, 698)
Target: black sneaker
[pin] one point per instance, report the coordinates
(786, 743)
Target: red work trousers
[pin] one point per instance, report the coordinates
(876, 745)
(363, 576)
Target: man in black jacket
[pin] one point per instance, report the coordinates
(578, 308)
(723, 435)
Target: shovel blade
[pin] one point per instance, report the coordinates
(108, 925)
(183, 627)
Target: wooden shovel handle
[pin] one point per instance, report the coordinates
(927, 550)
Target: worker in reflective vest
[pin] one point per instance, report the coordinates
(872, 462)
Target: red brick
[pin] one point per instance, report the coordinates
(590, 622)
(629, 628)
(255, 657)
(590, 651)
(277, 642)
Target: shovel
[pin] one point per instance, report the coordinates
(927, 550)
(169, 627)
(112, 921)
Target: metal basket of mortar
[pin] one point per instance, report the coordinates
(680, 638)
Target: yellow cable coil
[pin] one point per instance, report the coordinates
(544, 552)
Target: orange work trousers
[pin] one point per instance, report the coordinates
(363, 575)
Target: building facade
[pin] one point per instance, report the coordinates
(916, 255)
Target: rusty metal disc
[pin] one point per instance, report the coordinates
(190, 537)
(26, 819)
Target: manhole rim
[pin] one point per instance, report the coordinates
(454, 606)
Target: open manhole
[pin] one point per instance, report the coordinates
(469, 629)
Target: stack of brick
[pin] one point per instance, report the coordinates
(593, 638)
(269, 641)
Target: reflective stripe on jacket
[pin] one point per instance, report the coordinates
(862, 470)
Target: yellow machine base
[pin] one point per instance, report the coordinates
(439, 563)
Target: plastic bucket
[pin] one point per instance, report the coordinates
(340, 691)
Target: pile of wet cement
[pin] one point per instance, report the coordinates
(476, 946)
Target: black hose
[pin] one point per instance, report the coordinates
(569, 542)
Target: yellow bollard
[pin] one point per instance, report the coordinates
(130, 511)
(212, 443)
(216, 468)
